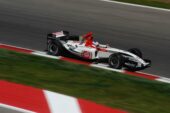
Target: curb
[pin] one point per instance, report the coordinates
(31, 100)
(102, 66)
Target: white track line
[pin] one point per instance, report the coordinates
(59, 103)
(163, 79)
(15, 108)
(136, 5)
(102, 66)
(43, 54)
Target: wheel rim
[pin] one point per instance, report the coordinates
(114, 62)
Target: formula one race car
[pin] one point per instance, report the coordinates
(60, 43)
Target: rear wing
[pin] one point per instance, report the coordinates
(58, 34)
(62, 35)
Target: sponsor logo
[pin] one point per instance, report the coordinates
(86, 54)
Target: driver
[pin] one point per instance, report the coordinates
(88, 40)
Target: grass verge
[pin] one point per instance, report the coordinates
(154, 3)
(116, 90)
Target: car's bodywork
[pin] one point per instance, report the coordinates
(61, 42)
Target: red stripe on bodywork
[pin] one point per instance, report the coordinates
(102, 49)
(17, 49)
(90, 107)
(24, 97)
(147, 76)
(75, 61)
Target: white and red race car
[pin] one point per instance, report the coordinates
(61, 43)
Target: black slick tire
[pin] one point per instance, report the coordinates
(54, 49)
(116, 61)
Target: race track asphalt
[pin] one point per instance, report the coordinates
(6, 110)
(25, 23)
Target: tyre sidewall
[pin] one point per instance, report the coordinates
(53, 49)
(116, 61)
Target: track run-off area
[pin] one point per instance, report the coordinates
(12, 101)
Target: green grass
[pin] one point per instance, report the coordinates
(154, 3)
(133, 94)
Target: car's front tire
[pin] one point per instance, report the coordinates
(116, 61)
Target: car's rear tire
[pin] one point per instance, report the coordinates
(54, 49)
(136, 51)
(116, 61)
